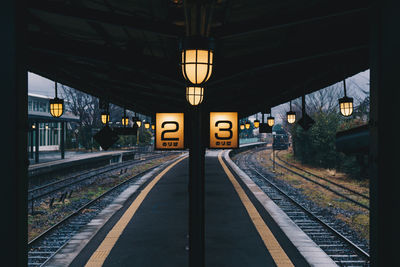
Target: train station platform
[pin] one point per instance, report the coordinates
(242, 225)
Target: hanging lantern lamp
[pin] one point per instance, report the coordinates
(196, 59)
(125, 119)
(256, 122)
(194, 95)
(270, 119)
(105, 117)
(291, 115)
(346, 103)
(56, 105)
(147, 125)
(241, 126)
(247, 125)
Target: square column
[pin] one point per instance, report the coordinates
(14, 162)
(384, 140)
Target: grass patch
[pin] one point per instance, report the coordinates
(356, 217)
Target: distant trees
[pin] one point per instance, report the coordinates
(317, 145)
(86, 107)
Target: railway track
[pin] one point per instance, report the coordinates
(42, 248)
(339, 247)
(338, 189)
(58, 186)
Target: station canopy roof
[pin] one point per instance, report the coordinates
(267, 52)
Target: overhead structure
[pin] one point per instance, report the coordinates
(128, 53)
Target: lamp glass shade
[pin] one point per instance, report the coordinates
(346, 106)
(241, 126)
(197, 65)
(291, 116)
(153, 126)
(147, 125)
(33, 126)
(247, 125)
(56, 107)
(105, 117)
(194, 95)
(125, 121)
(256, 123)
(139, 123)
(270, 121)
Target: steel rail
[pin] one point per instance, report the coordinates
(359, 251)
(77, 211)
(323, 186)
(322, 178)
(94, 173)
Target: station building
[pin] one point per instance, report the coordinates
(46, 133)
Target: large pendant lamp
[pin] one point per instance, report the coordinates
(56, 105)
(346, 103)
(196, 59)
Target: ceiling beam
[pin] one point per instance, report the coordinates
(100, 54)
(253, 70)
(229, 31)
(163, 28)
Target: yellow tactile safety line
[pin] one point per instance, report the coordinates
(100, 255)
(276, 251)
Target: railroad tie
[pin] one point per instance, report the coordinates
(51, 202)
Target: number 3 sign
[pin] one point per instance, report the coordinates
(224, 130)
(169, 131)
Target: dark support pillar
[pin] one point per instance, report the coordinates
(62, 141)
(196, 190)
(31, 141)
(37, 142)
(14, 134)
(385, 142)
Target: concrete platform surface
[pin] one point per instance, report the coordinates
(151, 229)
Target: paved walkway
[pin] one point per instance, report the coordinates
(151, 229)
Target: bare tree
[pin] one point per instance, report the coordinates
(86, 107)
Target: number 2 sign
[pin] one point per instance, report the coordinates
(224, 131)
(169, 131)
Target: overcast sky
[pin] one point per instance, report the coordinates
(42, 86)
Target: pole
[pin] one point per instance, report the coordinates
(37, 142)
(62, 143)
(196, 190)
(32, 131)
(273, 156)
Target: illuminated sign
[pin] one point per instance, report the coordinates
(169, 131)
(224, 131)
